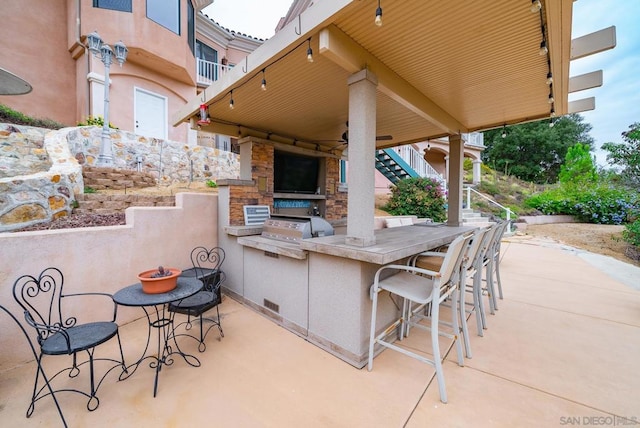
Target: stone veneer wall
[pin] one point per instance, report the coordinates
(41, 170)
(48, 180)
(262, 171)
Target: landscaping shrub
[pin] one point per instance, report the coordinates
(422, 197)
(600, 204)
(96, 121)
(631, 232)
(8, 115)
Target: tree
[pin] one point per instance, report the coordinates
(534, 151)
(578, 167)
(626, 155)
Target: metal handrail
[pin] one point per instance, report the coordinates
(469, 190)
(418, 163)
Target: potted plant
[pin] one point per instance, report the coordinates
(159, 280)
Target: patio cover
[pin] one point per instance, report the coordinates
(442, 68)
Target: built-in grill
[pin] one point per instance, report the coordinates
(291, 229)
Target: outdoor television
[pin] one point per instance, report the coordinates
(293, 173)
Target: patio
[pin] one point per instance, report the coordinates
(561, 350)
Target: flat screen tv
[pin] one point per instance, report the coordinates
(293, 173)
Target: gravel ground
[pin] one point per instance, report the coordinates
(596, 238)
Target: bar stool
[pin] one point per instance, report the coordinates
(422, 287)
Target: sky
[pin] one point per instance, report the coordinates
(617, 100)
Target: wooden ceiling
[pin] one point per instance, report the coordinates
(444, 67)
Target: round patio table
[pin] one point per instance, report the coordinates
(158, 317)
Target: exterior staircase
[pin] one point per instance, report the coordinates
(471, 217)
(404, 162)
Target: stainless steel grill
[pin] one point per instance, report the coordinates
(290, 229)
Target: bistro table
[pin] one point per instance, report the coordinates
(154, 306)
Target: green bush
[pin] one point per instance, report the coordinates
(95, 121)
(211, 183)
(422, 197)
(631, 232)
(600, 204)
(8, 115)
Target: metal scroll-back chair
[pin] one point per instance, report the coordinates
(423, 287)
(207, 267)
(41, 299)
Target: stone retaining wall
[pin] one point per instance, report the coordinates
(41, 171)
(98, 203)
(111, 178)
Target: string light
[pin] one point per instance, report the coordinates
(504, 131)
(551, 99)
(543, 48)
(378, 20)
(551, 123)
(309, 51)
(549, 78)
(264, 82)
(535, 6)
(553, 112)
(231, 103)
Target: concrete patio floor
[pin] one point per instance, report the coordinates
(562, 349)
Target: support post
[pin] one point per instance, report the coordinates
(362, 147)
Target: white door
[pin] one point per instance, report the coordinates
(150, 114)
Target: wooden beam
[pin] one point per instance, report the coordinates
(584, 104)
(593, 43)
(585, 81)
(344, 51)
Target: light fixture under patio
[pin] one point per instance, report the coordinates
(536, 5)
(309, 51)
(378, 20)
(263, 86)
(97, 47)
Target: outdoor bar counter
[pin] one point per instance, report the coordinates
(319, 288)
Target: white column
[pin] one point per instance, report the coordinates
(362, 146)
(455, 170)
(477, 176)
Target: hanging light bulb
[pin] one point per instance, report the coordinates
(553, 112)
(309, 51)
(535, 6)
(264, 82)
(551, 99)
(231, 103)
(549, 78)
(378, 20)
(551, 123)
(504, 131)
(543, 48)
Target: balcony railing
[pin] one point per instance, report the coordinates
(209, 72)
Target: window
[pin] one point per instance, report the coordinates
(191, 26)
(208, 67)
(121, 5)
(165, 13)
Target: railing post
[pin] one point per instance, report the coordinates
(468, 198)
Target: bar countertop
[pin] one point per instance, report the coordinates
(392, 244)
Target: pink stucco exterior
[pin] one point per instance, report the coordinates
(44, 44)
